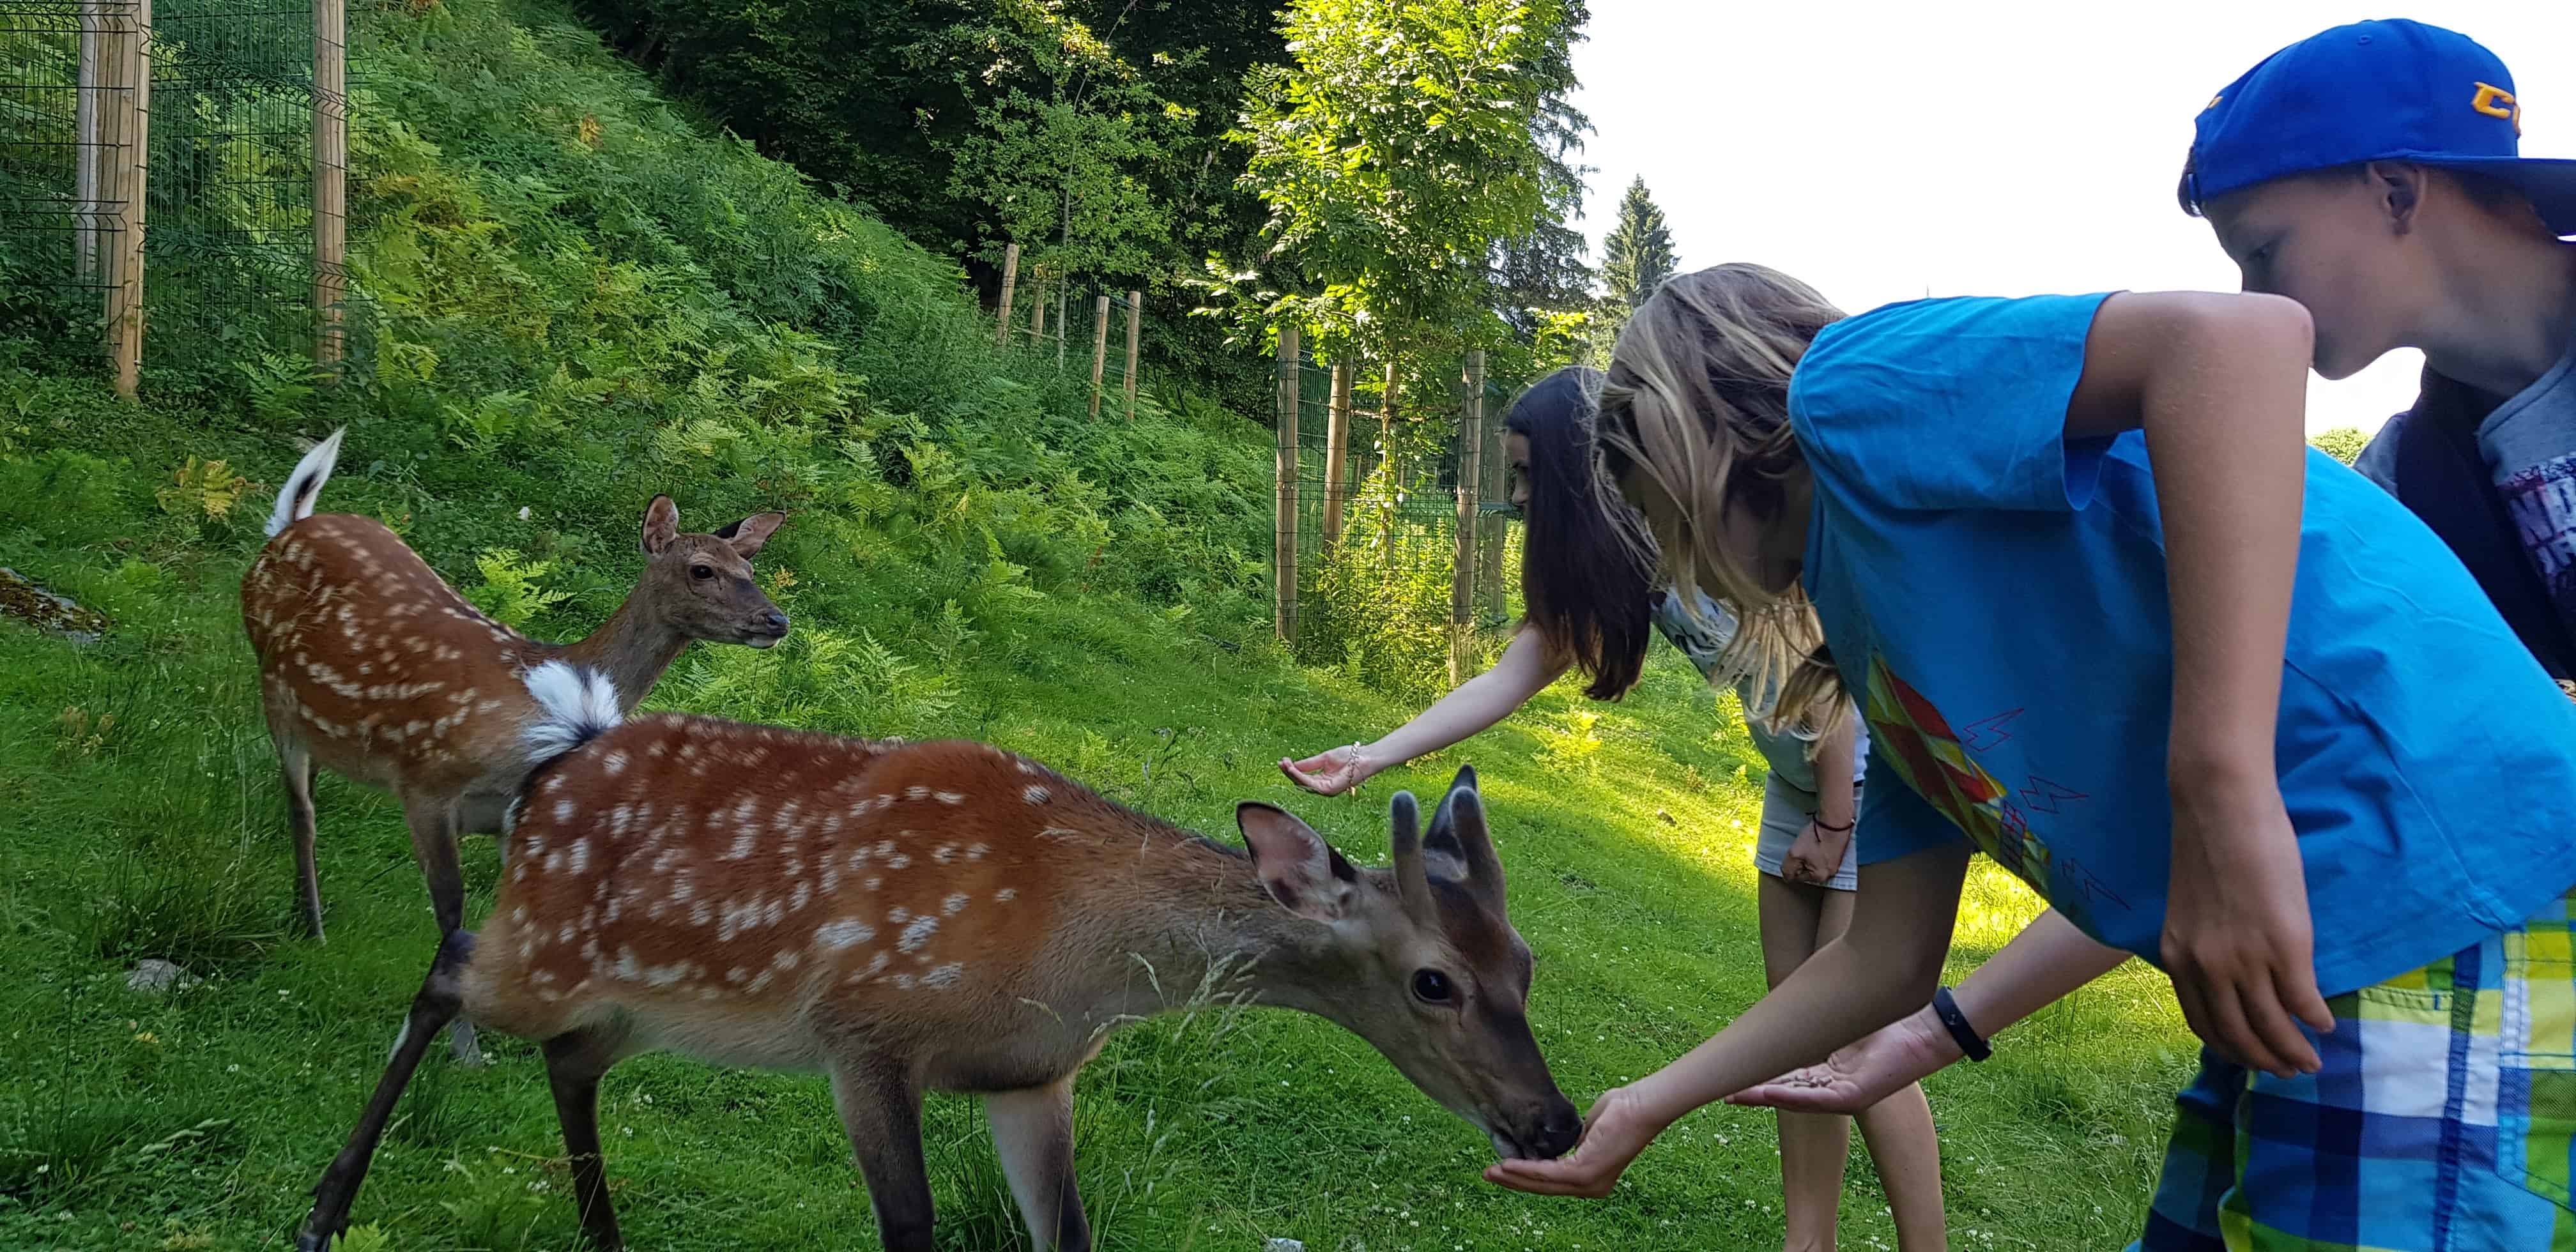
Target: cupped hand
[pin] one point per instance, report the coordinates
(1619, 1127)
(1330, 773)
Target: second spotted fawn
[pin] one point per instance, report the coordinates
(372, 666)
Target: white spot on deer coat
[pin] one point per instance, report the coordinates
(943, 977)
(845, 933)
(917, 933)
(1007, 894)
(614, 763)
(1034, 795)
(951, 797)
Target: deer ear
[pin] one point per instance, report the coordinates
(750, 533)
(661, 525)
(1443, 856)
(1294, 864)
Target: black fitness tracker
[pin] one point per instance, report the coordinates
(1961, 1032)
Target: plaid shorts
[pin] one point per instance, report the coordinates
(2440, 1122)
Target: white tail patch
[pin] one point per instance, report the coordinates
(295, 499)
(577, 703)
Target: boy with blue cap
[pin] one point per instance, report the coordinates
(2373, 174)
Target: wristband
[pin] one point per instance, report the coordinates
(1845, 828)
(1956, 1022)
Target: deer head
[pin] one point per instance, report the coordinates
(700, 585)
(1421, 961)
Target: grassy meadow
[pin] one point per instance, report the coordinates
(580, 296)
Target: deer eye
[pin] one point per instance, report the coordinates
(1431, 986)
(701, 572)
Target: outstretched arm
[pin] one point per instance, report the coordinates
(1524, 671)
(1886, 964)
(2047, 961)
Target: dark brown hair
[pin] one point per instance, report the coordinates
(1584, 576)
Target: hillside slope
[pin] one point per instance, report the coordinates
(581, 298)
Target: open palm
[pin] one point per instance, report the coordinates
(1861, 1075)
(1329, 773)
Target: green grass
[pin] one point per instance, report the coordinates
(583, 298)
(149, 823)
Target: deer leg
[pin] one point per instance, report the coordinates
(574, 1063)
(1033, 1131)
(880, 1107)
(440, 996)
(433, 845)
(295, 761)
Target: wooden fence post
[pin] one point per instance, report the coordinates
(1135, 327)
(125, 125)
(1060, 297)
(1099, 346)
(330, 176)
(88, 154)
(1386, 416)
(1492, 532)
(1386, 459)
(1037, 308)
(1337, 446)
(1284, 537)
(1462, 571)
(1010, 280)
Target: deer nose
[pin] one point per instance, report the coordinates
(1559, 1129)
(776, 621)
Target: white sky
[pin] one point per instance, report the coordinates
(1989, 147)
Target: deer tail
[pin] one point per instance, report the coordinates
(295, 499)
(577, 704)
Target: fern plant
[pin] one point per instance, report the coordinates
(202, 490)
(510, 592)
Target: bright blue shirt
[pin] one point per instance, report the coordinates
(1995, 599)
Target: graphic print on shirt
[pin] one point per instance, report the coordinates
(2542, 501)
(1927, 754)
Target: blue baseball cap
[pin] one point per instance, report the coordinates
(2373, 91)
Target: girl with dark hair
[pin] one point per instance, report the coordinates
(1587, 575)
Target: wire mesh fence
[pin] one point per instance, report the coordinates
(1083, 327)
(73, 100)
(158, 166)
(231, 245)
(1373, 526)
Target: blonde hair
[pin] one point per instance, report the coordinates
(1697, 405)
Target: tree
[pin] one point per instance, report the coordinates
(2343, 443)
(1399, 152)
(1637, 255)
(1057, 165)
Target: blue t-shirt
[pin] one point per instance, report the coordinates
(1995, 598)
